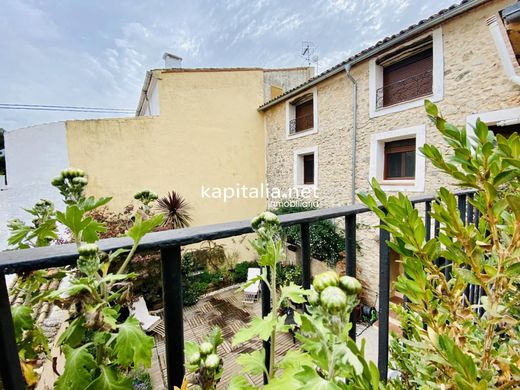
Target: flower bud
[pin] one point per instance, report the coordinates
(333, 299)
(206, 348)
(350, 285)
(88, 249)
(325, 279)
(212, 361)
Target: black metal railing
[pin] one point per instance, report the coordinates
(170, 242)
(301, 123)
(410, 88)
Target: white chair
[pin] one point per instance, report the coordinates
(148, 322)
(251, 291)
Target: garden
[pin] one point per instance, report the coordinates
(448, 342)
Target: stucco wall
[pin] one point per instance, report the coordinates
(209, 134)
(473, 82)
(34, 155)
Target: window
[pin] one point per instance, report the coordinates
(504, 122)
(305, 167)
(394, 160)
(407, 79)
(505, 130)
(304, 117)
(308, 169)
(403, 77)
(301, 115)
(400, 159)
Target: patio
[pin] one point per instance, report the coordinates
(225, 309)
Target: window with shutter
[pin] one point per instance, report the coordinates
(400, 159)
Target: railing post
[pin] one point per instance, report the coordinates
(306, 255)
(384, 304)
(350, 261)
(266, 309)
(173, 316)
(428, 220)
(10, 370)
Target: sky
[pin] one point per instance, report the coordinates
(95, 53)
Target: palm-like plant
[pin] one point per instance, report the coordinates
(175, 209)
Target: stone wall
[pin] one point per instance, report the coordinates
(474, 82)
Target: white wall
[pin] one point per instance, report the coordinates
(34, 155)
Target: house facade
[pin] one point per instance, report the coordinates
(194, 129)
(365, 117)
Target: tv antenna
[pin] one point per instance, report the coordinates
(308, 53)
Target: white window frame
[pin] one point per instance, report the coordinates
(491, 118)
(290, 114)
(298, 167)
(375, 79)
(377, 159)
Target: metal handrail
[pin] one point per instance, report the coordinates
(169, 243)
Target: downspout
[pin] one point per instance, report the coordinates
(354, 131)
(503, 52)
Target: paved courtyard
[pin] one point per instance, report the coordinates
(226, 310)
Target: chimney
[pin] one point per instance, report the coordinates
(172, 61)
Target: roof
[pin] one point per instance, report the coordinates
(380, 46)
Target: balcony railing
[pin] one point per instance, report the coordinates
(406, 89)
(170, 242)
(301, 123)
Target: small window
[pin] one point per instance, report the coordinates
(407, 75)
(507, 131)
(400, 160)
(306, 166)
(308, 169)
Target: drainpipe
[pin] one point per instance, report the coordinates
(354, 131)
(505, 57)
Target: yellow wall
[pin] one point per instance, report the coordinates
(208, 133)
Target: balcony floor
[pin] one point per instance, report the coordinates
(226, 310)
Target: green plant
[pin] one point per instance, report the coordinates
(240, 271)
(270, 248)
(326, 239)
(203, 360)
(289, 273)
(100, 348)
(450, 343)
(32, 344)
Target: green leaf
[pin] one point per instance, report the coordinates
(312, 381)
(431, 109)
(79, 368)
(261, 327)
(73, 219)
(215, 336)
(132, 346)
(22, 319)
(92, 203)
(110, 379)
(240, 383)
(514, 202)
(74, 333)
(142, 227)
(91, 230)
(294, 293)
(252, 363)
(468, 276)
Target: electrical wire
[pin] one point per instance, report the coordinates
(44, 107)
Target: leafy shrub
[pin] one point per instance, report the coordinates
(288, 273)
(240, 271)
(450, 342)
(326, 239)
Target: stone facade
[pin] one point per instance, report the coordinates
(474, 82)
